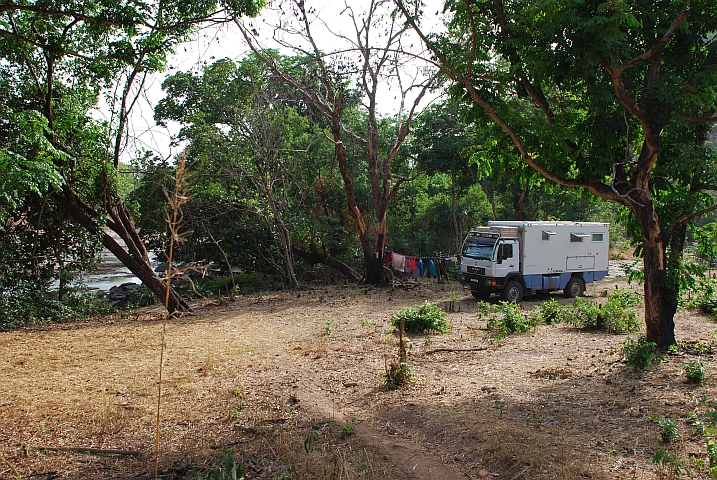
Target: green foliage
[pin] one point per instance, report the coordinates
(694, 372)
(397, 374)
(706, 243)
(551, 312)
(249, 283)
(703, 296)
(348, 427)
(427, 317)
(614, 316)
(232, 469)
(141, 296)
(483, 308)
(510, 319)
(639, 354)
(31, 307)
(669, 466)
(668, 429)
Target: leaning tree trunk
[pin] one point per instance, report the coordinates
(134, 256)
(660, 298)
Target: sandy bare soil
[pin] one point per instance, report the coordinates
(291, 383)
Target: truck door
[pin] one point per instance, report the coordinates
(506, 258)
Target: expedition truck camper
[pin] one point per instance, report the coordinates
(512, 258)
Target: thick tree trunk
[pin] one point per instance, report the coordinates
(660, 298)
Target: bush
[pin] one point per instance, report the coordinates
(427, 317)
(551, 312)
(141, 296)
(248, 283)
(695, 372)
(668, 429)
(512, 319)
(614, 316)
(639, 354)
(36, 308)
(703, 296)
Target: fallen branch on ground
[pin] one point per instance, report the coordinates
(476, 349)
(108, 451)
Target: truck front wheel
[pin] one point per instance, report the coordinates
(574, 288)
(512, 292)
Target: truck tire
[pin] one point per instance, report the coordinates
(512, 292)
(574, 288)
(480, 294)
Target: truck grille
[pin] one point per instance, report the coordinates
(476, 270)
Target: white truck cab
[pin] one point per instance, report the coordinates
(512, 258)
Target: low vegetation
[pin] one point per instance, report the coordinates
(427, 317)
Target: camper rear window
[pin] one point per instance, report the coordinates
(598, 237)
(577, 237)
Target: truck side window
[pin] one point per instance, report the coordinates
(505, 251)
(578, 237)
(547, 234)
(598, 237)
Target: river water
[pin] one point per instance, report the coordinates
(111, 272)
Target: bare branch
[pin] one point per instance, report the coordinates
(660, 44)
(685, 218)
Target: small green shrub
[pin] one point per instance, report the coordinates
(141, 296)
(614, 316)
(397, 374)
(703, 296)
(427, 317)
(510, 319)
(231, 470)
(639, 354)
(248, 283)
(694, 372)
(668, 429)
(348, 428)
(483, 308)
(551, 312)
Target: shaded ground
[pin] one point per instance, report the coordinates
(292, 384)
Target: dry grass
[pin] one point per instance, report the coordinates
(258, 375)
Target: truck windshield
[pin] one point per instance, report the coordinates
(480, 248)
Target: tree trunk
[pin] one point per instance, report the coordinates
(660, 296)
(137, 261)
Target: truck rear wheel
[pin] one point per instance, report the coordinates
(512, 292)
(574, 288)
(480, 294)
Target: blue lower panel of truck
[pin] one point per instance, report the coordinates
(559, 280)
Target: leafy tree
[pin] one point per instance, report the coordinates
(371, 61)
(56, 58)
(611, 97)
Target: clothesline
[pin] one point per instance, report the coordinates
(416, 266)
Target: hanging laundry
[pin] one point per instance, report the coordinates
(388, 256)
(399, 262)
(432, 268)
(411, 264)
(420, 267)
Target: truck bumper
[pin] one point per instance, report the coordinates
(480, 283)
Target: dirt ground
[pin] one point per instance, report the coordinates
(291, 384)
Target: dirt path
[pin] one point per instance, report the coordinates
(291, 383)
